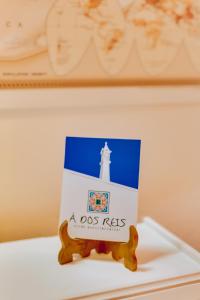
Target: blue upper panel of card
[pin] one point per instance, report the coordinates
(83, 155)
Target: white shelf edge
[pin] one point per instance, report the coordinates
(141, 290)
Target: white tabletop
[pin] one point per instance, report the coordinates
(29, 268)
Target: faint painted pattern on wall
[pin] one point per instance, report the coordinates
(157, 29)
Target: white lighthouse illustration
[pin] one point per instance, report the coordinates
(105, 163)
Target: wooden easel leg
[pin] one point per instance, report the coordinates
(65, 255)
(130, 262)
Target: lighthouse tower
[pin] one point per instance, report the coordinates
(105, 163)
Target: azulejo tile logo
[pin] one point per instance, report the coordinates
(98, 201)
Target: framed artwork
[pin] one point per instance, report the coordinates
(94, 42)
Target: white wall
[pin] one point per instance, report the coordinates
(33, 125)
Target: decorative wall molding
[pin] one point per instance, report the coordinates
(98, 97)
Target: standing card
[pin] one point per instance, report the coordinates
(100, 187)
